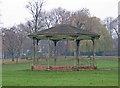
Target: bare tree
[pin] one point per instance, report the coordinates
(108, 21)
(29, 27)
(112, 25)
(65, 16)
(10, 42)
(47, 19)
(80, 17)
(35, 8)
(21, 35)
(55, 13)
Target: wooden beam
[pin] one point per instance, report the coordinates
(37, 52)
(48, 53)
(64, 37)
(33, 42)
(77, 51)
(93, 51)
(55, 52)
(75, 56)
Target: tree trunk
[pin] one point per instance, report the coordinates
(18, 56)
(16, 60)
(21, 53)
(12, 58)
(3, 57)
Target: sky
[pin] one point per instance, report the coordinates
(13, 12)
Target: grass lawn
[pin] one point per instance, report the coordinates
(21, 75)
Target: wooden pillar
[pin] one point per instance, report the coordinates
(77, 51)
(48, 52)
(75, 56)
(33, 42)
(37, 52)
(93, 51)
(55, 52)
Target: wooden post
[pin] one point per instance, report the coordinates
(33, 51)
(48, 52)
(93, 51)
(55, 55)
(75, 60)
(37, 52)
(55, 52)
(77, 51)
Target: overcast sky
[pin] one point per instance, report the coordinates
(14, 12)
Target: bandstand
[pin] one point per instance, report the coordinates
(58, 33)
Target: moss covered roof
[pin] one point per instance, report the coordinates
(61, 32)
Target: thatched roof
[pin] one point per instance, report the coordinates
(61, 32)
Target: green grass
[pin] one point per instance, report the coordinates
(21, 75)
